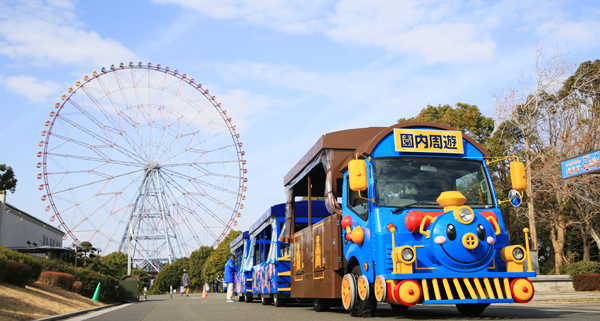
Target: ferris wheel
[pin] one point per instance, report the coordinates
(142, 155)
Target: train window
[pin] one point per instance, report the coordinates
(359, 205)
(299, 227)
(284, 250)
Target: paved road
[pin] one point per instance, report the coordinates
(161, 308)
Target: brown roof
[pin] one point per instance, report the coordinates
(348, 139)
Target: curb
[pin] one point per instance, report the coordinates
(72, 314)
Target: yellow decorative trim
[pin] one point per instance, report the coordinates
(248, 280)
(436, 289)
(422, 226)
(248, 291)
(488, 286)
(458, 218)
(314, 227)
(461, 294)
(288, 273)
(498, 288)
(425, 289)
(416, 267)
(479, 288)
(284, 289)
(286, 258)
(507, 289)
(494, 264)
(447, 288)
(470, 288)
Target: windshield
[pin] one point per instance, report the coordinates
(419, 181)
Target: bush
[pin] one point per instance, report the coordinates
(90, 280)
(577, 268)
(3, 267)
(58, 266)
(586, 282)
(76, 286)
(34, 263)
(57, 279)
(17, 273)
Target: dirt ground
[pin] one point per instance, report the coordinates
(38, 301)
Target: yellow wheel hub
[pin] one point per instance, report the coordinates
(522, 290)
(379, 288)
(470, 241)
(348, 291)
(363, 290)
(409, 292)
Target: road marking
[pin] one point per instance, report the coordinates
(95, 314)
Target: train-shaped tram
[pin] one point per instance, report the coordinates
(418, 222)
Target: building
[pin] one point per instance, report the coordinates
(24, 233)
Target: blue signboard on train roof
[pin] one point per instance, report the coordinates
(585, 163)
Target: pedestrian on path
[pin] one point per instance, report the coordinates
(230, 270)
(217, 281)
(186, 282)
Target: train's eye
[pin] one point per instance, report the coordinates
(451, 232)
(481, 232)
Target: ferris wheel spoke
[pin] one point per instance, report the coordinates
(116, 123)
(197, 202)
(177, 206)
(132, 121)
(183, 112)
(93, 159)
(202, 152)
(111, 145)
(96, 182)
(200, 182)
(200, 163)
(181, 131)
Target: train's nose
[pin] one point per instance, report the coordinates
(470, 241)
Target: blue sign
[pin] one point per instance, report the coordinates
(582, 164)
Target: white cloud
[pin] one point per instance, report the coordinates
(31, 88)
(243, 107)
(45, 34)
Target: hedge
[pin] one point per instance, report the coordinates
(57, 279)
(3, 267)
(586, 282)
(34, 263)
(577, 268)
(90, 280)
(17, 273)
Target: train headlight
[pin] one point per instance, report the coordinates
(513, 256)
(464, 214)
(407, 254)
(518, 253)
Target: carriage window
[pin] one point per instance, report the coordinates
(359, 205)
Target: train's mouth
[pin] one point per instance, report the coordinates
(450, 256)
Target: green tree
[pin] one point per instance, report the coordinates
(170, 275)
(464, 117)
(215, 264)
(197, 260)
(86, 253)
(113, 264)
(144, 279)
(8, 181)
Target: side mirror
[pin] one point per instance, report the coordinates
(517, 176)
(514, 197)
(357, 175)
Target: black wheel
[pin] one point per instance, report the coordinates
(240, 298)
(471, 310)
(278, 302)
(249, 298)
(399, 308)
(265, 301)
(321, 305)
(366, 308)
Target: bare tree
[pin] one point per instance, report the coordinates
(522, 108)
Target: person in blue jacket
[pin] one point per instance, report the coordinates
(229, 277)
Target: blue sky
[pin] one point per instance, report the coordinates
(286, 71)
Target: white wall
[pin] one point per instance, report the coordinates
(16, 228)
